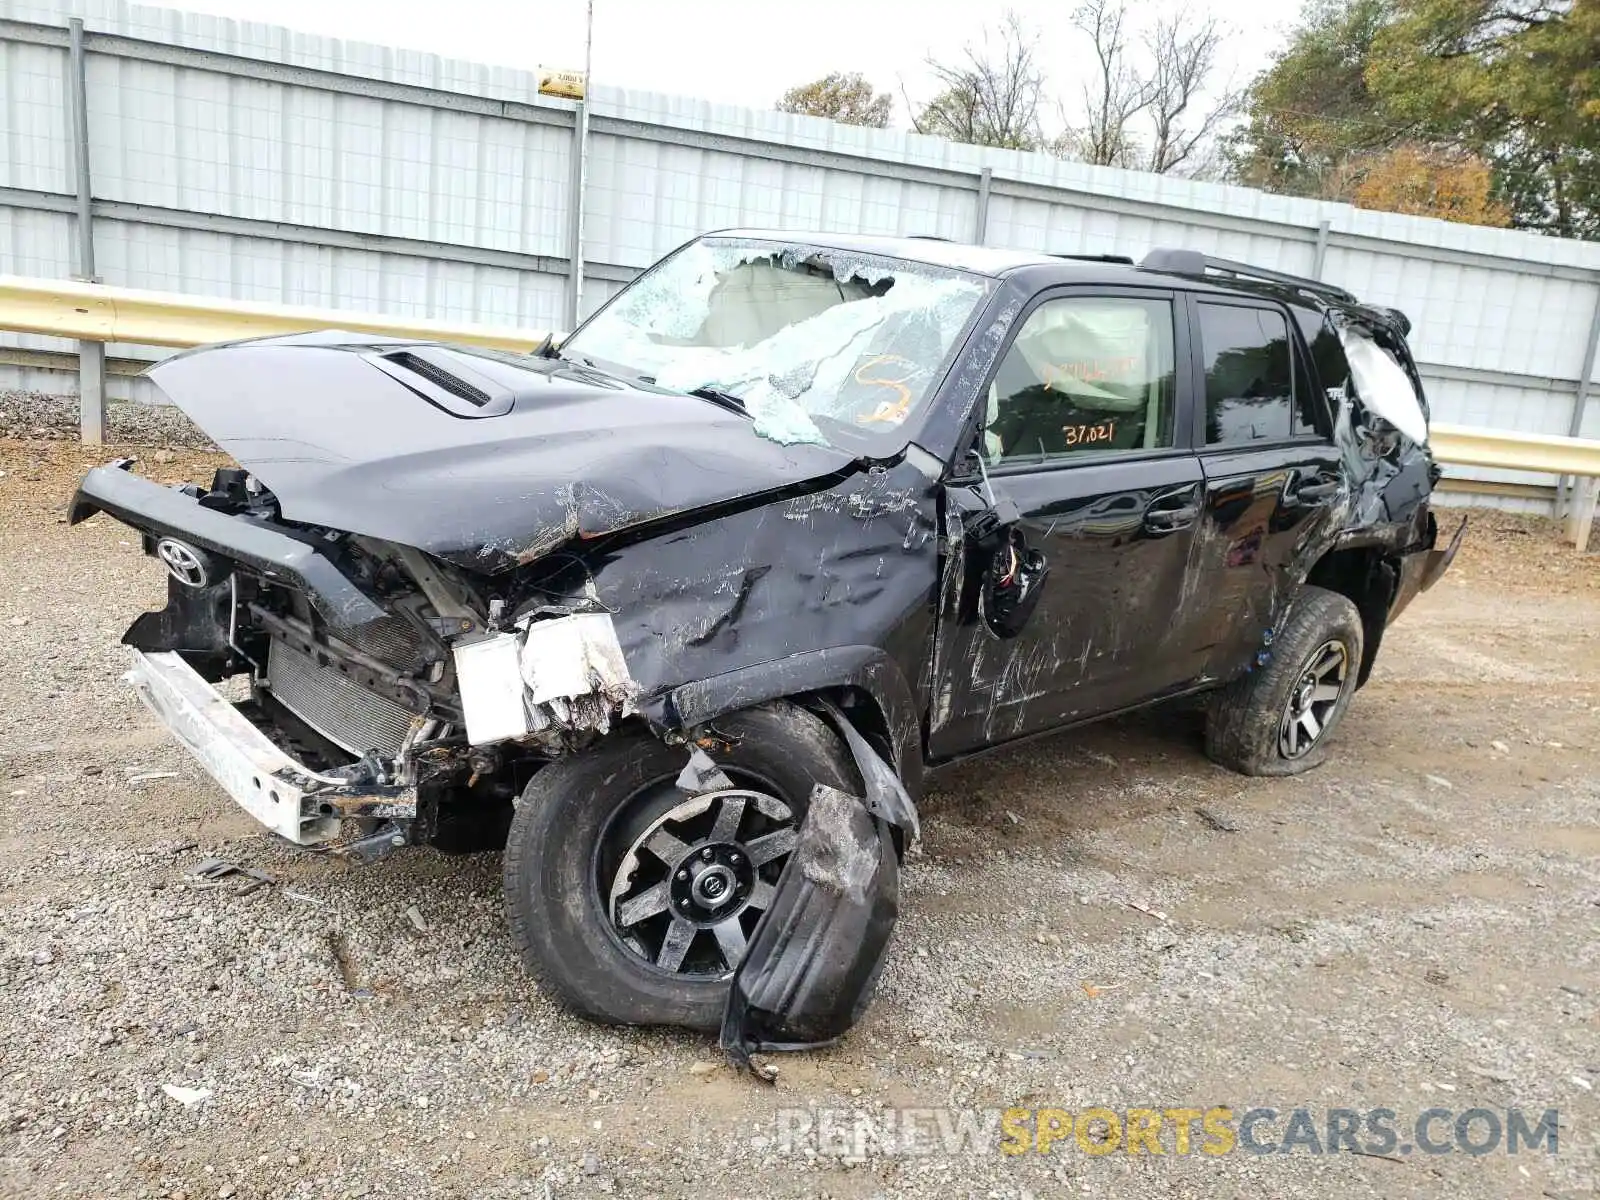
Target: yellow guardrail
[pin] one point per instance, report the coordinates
(1468, 447)
(1463, 446)
(93, 312)
(96, 313)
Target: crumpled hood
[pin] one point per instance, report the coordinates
(481, 459)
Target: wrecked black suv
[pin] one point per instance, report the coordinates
(686, 610)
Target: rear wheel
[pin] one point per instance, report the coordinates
(631, 900)
(1277, 720)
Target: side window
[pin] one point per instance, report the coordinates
(1085, 373)
(1249, 374)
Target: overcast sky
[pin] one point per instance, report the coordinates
(733, 51)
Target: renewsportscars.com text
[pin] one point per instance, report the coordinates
(853, 1133)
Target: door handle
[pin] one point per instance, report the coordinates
(1171, 512)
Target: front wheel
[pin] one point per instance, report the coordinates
(1277, 720)
(631, 900)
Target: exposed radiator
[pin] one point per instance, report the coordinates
(341, 711)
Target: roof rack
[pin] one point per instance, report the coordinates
(1121, 259)
(1192, 262)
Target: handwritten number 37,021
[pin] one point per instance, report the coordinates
(1089, 432)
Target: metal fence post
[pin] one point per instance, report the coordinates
(580, 155)
(580, 175)
(1586, 372)
(981, 223)
(1321, 252)
(91, 355)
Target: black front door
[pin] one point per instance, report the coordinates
(1088, 482)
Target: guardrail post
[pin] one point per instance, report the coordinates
(980, 228)
(91, 355)
(1321, 254)
(1580, 402)
(1580, 518)
(92, 392)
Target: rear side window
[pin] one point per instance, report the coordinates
(1250, 372)
(1085, 373)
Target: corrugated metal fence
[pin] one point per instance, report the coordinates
(249, 161)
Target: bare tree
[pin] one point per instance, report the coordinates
(1148, 100)
(1183, 62)
(1158, 85)
(1116, 94)
(991, 97)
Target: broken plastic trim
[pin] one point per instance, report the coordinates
(558, 672)
(818, 950)
(148, 506)
(816, 953)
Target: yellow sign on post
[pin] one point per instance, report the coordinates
(569, 85)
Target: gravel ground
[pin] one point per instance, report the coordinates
(41, 415)
(1413, 925)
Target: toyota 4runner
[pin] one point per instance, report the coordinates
(686, 610)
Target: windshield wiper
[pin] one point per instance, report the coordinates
(718, 396)
(546, 348)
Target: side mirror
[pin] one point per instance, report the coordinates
(1012, 584)
(1013, 572)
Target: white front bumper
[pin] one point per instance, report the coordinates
(281, 793)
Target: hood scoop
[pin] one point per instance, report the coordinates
(444, 378)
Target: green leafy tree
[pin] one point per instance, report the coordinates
(1310, 116)
(1436, 86)
(1516, 81)
(847, 98)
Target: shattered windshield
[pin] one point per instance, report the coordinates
(817, 345)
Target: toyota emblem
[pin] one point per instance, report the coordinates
(186, 564)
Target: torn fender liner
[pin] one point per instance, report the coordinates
(886, 795)
(702, 775)
(816, 954)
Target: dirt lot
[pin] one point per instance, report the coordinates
(1415, 925)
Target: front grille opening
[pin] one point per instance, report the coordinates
(439, 377)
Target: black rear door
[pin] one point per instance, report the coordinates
(1272, 478)
(1086, 447)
